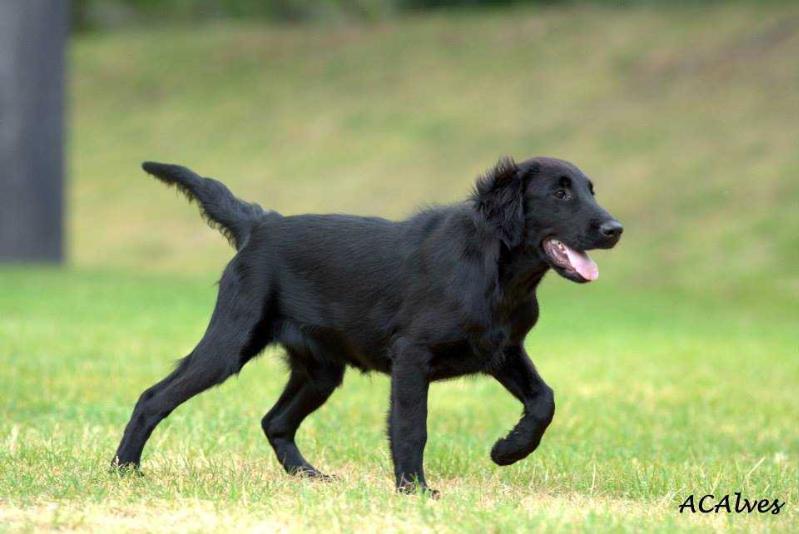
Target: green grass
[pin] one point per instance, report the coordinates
(658, 397)
(675, 373)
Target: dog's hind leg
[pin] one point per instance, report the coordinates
(239, 329)
(307, 389)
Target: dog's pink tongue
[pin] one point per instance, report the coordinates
(583, 264)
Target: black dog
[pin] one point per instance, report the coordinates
(447, 292)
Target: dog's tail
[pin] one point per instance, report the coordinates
(233, 217)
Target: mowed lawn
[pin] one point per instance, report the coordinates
(675, 374)
(658, 397)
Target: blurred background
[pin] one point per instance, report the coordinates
(684, 114)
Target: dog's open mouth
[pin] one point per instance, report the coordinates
(573, 264)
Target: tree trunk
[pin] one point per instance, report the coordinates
(33, 35)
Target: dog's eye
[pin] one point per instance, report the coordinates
(561, 194)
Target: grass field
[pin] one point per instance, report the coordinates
(682, 376)
(656, 400)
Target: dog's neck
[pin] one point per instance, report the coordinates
(520, 271)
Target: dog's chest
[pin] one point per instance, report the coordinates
(479, 349)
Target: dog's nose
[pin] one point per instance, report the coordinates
(611, 229)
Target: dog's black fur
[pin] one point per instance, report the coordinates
(447, 292)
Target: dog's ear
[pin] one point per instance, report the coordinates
(499, 197)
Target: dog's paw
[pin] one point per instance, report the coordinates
(312, 473)
(124, 469)
(411, 488)
(507, 451)
(319, 476)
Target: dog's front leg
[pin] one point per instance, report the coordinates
(519, 376)
(407, 421)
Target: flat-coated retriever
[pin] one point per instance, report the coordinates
(448, 292)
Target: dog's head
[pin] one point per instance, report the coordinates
(547, 205)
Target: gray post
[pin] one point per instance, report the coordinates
(33, 35)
